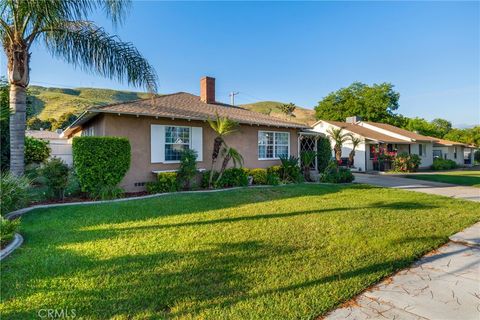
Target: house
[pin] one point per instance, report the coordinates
(377, 139)
(60, 147)
(159, 128)
(459, 152)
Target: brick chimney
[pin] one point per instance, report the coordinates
(207, 90)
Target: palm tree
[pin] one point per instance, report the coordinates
(229, 154)
(339, 138)
(355, 143)
(63, 28)
(222, 126)
(306, 159)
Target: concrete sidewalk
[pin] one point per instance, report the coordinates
(430, 187)
(444, 284)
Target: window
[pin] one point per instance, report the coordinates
(273, 145)
(177, 139)
(88, 132)
(437, 154)
(422, 149)
(455, 152)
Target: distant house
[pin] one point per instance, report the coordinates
(60, 147)
(160, 128)
(377, 138)
(461, 153)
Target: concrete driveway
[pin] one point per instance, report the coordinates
(442, 189)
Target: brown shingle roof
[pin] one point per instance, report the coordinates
(188, 106)
(42, 134)
(403, 132)
(447, 143)
(365, 132)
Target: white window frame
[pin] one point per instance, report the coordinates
(274, 144)
(165, 141)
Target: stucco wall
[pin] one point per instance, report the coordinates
(137, 130)
(449, 153)
(427, 157)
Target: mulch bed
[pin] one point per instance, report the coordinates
(84, 198)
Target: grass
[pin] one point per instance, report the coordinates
(463, 178)
(284, 252)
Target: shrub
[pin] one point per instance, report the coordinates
(100, 161)
(232, 177)
(443, 164)
(324, 153)
(335, 174)
(188, 168)
(290, 170)
(405, 162)
(259, 175)
(73, 186)
(13, 192)
(7, 230)
(476, 156)
(36, 150)
(107, 193)
(55, 173)
(273, 175)
(166, 182)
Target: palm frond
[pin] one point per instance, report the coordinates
(337, 135)
(235, 156)
(222, 126)
(89, 47)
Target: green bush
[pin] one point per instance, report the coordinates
(258, 175)
(335, 174)
(443, 164)
(7, 230)
(324, 153)
(36, 150)
(55, 173)
(188, 168)
(273, 175)
(405, 162)
(13, 192)
(232, 177)
(166, 182)
(107, 193)
(73, 186)
(290, 170)
(476, 156)
(100, 161)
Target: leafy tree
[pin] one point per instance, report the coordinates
(64, 121)
(66, 32)
(288, 109)
(373, 103)
(469, 136)
(437, 128)
(36, 123)
(441, 127)
(222, 126)
(339, 138)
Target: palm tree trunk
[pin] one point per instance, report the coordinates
(216, 150)
(226, 160)
(18, 104)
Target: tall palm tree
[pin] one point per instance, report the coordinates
(229, 154)
(222, 126)
(63, 28)
(355, 143)
(339, 138)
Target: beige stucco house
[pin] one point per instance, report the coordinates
(160, 128)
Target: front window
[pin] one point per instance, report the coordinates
(437, 154)
(177, 139)
(273, 145)
(455, 152)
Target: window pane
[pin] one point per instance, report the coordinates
(281, 151)
(265, 138)
(262, 152)
(281, 138)
(177, 135)
(269, 152)
(173, 152)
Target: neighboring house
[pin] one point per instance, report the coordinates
(375, 136)
(459, 152)
(160, 128)
(60, 147)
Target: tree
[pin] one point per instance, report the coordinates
(324, 153)
(222, 126)
(339, 138)
(64, 121)
(373, 103)
(437, 128)
(36, 123)
(355, 143)
(288, 109)
(66, 32)
(441, 127)
(306, 159)
(468, 136)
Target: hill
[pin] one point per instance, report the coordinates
(53, 102)
(271, 107)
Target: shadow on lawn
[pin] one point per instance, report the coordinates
(170, 284)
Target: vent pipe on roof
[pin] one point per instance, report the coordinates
(353, 119)
(207, 90)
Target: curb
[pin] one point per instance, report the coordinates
(17, 213)
(16, 242)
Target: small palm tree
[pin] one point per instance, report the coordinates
(355, 143)
(222, 126)
(339, 138)
(64, 29)
(307, 158)
(229, 154)
(288, 109)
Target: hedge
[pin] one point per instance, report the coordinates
(443, 164)
(36, 150)
(166, 182)
(100, 161)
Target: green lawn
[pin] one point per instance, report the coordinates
(284, 252)
(464, 178)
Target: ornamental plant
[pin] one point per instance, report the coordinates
(100, 162)
(188, 168)
(36, 150)
(405, 162)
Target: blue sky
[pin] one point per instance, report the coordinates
(299, 52)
